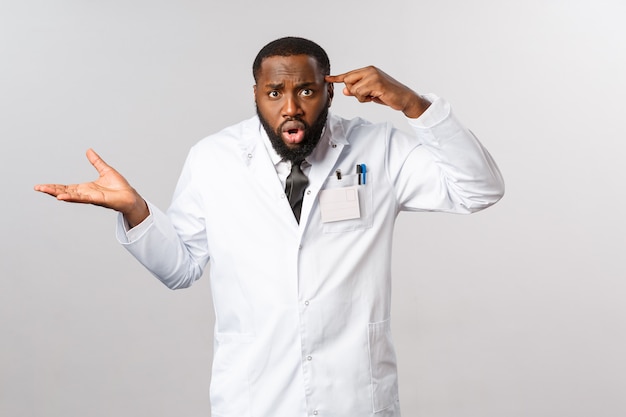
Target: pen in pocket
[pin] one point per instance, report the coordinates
(361, 172)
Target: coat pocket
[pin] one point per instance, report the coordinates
(230, 387)
(383, 366)
(365, 205)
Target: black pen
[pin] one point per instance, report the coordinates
(358, 172)
(364, 173)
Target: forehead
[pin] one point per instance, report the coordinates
(301, 68)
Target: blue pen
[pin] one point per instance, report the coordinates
(364, 173)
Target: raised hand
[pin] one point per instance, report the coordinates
(371, 84)
(110, 190)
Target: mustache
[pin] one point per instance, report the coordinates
(295, 119)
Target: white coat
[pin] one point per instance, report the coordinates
(303, 310)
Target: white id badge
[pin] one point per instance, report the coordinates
(339, 204)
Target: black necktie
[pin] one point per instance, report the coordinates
(294, 188)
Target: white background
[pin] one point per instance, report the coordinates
(516, 311)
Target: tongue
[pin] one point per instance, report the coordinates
(293, 136)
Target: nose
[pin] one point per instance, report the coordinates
(291, 106)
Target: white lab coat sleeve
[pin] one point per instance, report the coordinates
(172, 247)
(443, 167)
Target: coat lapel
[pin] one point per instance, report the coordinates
(262, 171)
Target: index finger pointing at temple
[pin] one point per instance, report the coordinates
(350, 77)
(335, 78)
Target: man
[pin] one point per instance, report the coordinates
(294, 210)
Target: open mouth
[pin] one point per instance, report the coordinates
(293, 132)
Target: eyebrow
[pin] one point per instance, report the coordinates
(277, 86)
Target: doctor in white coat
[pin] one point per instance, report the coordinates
(302, 300)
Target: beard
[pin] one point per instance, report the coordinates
(312, 136)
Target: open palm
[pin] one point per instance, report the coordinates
(110, 190)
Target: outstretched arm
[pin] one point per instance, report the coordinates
(110, 190)
(371, 84)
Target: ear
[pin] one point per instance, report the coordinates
(254, 89)
(330, 89)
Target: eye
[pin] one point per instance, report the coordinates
(307, 92)
(273, 94)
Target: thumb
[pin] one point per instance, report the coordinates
(97, 162)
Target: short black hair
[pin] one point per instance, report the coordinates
(289, 46)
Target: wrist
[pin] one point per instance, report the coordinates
(137, 213)
(416, 106)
